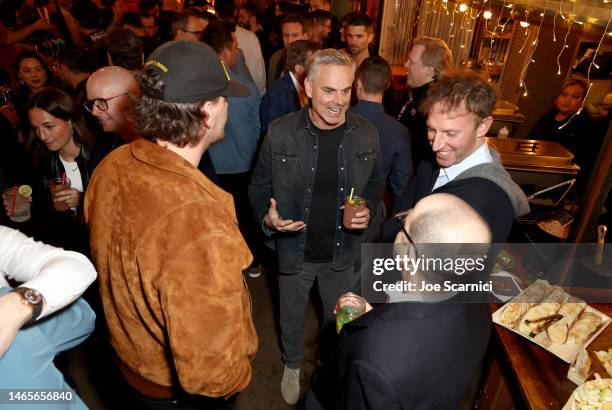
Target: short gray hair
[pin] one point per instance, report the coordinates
(329, 56)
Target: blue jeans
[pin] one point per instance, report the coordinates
(28, 363)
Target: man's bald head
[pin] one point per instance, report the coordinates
(114, 78)
(111, 87)
(443, 228)
(444, 218)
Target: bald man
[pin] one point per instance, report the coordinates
(108, 91)
(414, 355)
(108, 102)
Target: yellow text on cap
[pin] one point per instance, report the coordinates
(158, 65)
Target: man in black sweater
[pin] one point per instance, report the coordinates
(427, 59)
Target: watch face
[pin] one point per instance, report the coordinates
(32, 296)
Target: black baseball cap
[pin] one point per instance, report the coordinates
(192, 72)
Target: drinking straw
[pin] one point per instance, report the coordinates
(351, 195)
(63, 180)
(14, 200)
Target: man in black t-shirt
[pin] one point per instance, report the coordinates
(309, 162)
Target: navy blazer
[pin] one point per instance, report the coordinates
(405, 356)
(394, 146)
(281, 99)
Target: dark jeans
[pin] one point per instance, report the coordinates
(188, 402)
(294, 291)
(238, 186)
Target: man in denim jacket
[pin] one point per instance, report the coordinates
(309, 162)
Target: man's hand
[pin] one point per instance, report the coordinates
(274, 221)
(13, 315)
(368, 307)
(361, 220)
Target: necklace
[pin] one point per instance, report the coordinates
(72, 166)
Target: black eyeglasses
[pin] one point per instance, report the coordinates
(401, 219)
(100, 103)
(197, 33)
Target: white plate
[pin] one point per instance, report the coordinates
(567, 351)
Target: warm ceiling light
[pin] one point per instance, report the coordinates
(524, 24)
(509, 5)
(463, 7)
(487, 15)
(592, 20)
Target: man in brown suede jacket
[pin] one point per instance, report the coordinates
(165, 240)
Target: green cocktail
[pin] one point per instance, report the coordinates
(350, 307)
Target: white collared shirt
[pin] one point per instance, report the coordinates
(296, 83)
(60, 276)
(482, 155)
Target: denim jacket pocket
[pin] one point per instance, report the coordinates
(287, 158)
(284, 165)
(365, 164)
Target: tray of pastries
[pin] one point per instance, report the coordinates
(555, 320)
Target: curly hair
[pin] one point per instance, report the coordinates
(177, 123)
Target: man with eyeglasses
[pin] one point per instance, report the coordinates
(424, 353)
(108, 101)
(188, 25)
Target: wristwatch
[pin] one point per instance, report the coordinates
(33, 298)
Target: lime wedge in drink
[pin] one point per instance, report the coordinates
(25, 190)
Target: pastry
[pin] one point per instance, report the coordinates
(579, 370)
(606, 359)
(583, 327)
(514, 310)
(540, 315)
(558, 331)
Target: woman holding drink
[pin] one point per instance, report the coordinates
(57, 123)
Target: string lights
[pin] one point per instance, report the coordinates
(569, 27)
(533, 49)
(589, 73)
